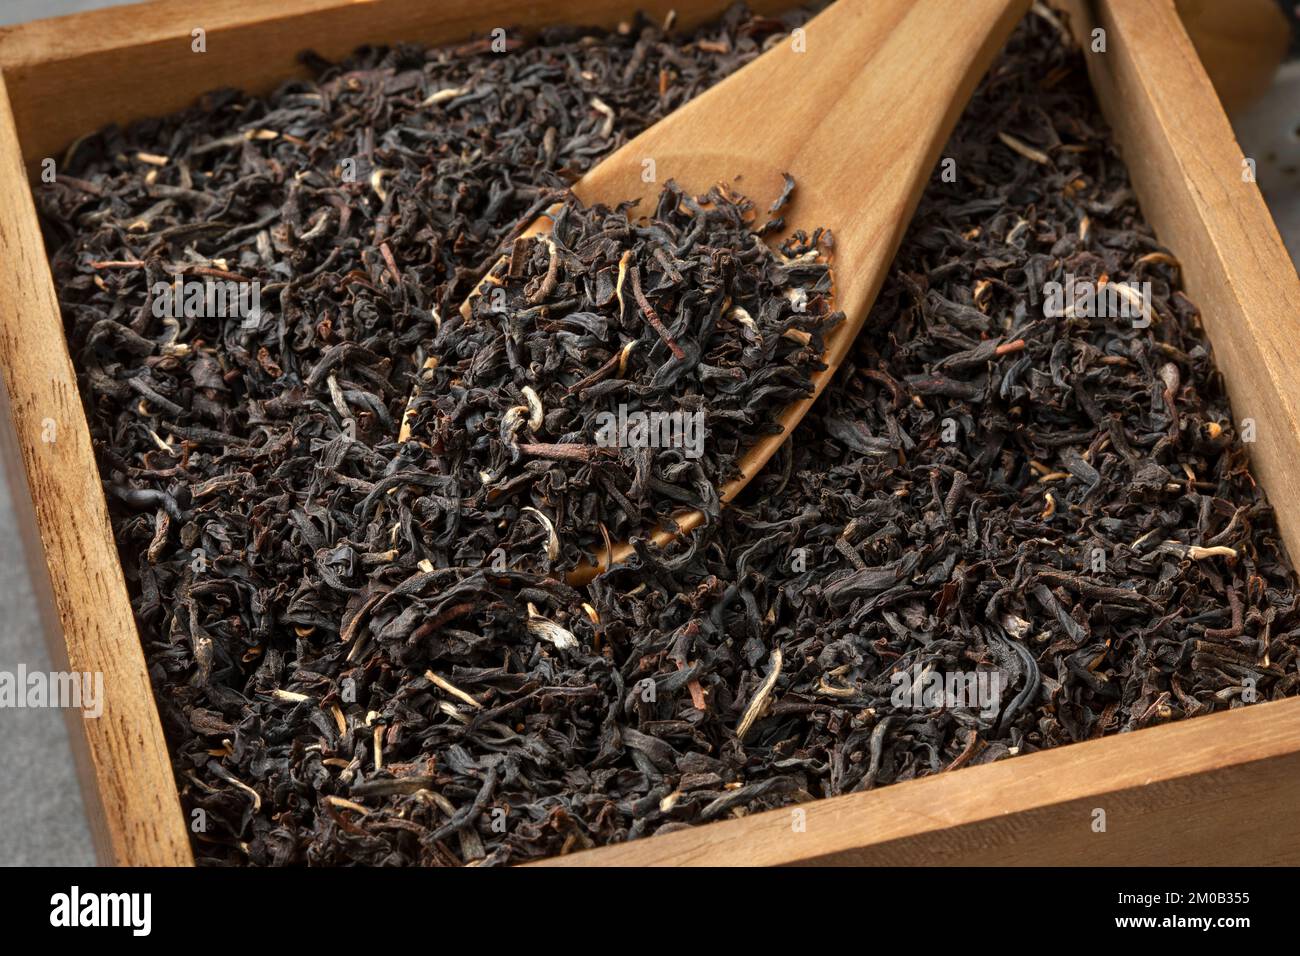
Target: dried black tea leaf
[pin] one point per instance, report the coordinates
(1020, 516)
(615, 367)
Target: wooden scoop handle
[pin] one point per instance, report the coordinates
(856, 108)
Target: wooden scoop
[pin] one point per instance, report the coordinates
(856, 108)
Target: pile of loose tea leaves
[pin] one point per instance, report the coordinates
(1052, 501)
(615, 368)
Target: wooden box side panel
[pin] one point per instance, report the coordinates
(1192, 181)
(64, 78)
(1215, 788)
(127, 779)
(72, 75)
(1181, 789)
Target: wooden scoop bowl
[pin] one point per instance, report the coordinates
(856, 108)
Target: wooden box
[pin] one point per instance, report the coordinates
(1218, 789)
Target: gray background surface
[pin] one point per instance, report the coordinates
(42, 820)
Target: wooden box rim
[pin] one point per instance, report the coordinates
(1216, 789)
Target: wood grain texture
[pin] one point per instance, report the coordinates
(1240, 44)
(860, 126)
(127, 779)
(71, 75)
(1186, 168)
(1182, 789)
(66, 77)
(1220, 789)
